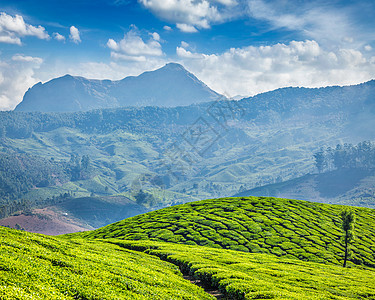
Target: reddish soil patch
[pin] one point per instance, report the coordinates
(46, 221)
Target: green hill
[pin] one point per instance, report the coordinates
(34, 266)
(286, 228)
(242, 275)
(297, 243)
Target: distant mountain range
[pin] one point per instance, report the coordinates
(211, 149)
(169, 86)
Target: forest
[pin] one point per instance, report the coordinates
(346, 156)
(20, 172)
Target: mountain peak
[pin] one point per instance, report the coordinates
(173, 66)
(169, 86)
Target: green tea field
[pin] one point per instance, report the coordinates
(290, 228)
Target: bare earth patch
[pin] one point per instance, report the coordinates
(48, 221)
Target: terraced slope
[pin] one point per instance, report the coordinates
(242, 275)
(39, 267)
(290, 228)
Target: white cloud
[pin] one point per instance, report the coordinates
(184, 44)
(183, 53)
(191, 15)
(57, 36)
(155, 36)
(324, 22)
(251, 70)
(12, 29)
(139, 58)
(133, 47)
(368, 48)
(227, 2)
(74, 35)
(167, 28)
(23, 58)
(16, 76)
(186, 28)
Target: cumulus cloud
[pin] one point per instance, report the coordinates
(182, 51)
(251, 70)
(191, 15)
(167, 28)
(57, 36)
(132, 47)
(12, 29)
(16, 76)
(186, 28)
(74, 35)
(155, 36)
(23, 58)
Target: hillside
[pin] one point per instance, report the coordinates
(241, 275)
(171, 85)
(347, 187)
(38, 267)
(253, 142)
(77, 266)
(286, 228)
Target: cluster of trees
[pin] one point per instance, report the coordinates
(20, 172)
(145, 198)
(346, 156)
(79, 168)
(138, 120)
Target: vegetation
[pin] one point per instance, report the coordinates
(347, 226)
(39, 267)
(242, 275)
(346, 156)
(286, 228)
(297, 243)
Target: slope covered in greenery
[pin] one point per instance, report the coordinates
(344, 186)
(262, 276)
(264, 139)
(290, 228)
(38, 267)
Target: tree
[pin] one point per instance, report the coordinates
(320, 160)
(347, 225)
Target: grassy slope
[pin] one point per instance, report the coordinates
(347, 187)
(71, 267)
(262, 276)
(291, 228)
(38, 267)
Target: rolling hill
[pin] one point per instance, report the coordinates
(285, 228)
(112, 263)
(171, 85)
(39, 267)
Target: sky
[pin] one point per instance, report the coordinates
(236, 47)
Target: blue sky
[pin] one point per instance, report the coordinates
(237, 47)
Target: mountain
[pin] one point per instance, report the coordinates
(171, 85)
(241, 145)
(348, 186)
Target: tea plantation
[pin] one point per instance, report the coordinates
(296, 255)
(242, 275)
(39, 267)
(285, 228)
